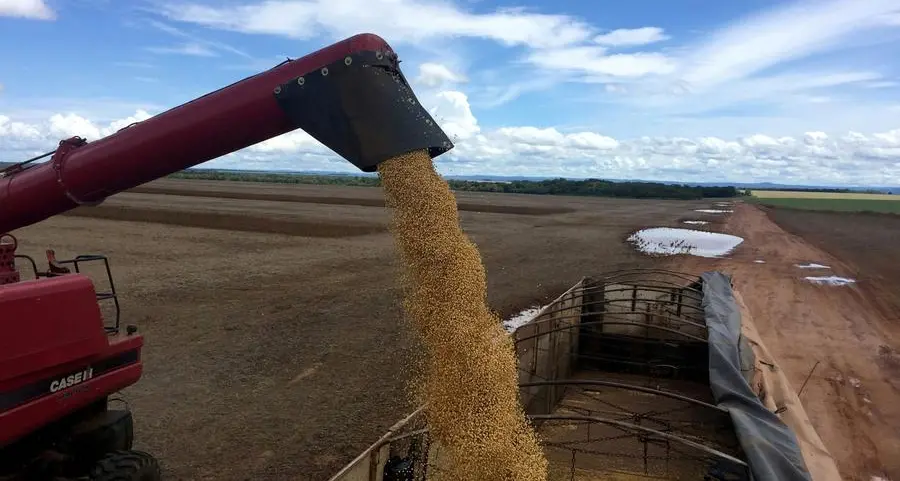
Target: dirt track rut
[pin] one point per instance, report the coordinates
(852, 396)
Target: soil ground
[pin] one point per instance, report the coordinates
(275, 347)
(853, 331)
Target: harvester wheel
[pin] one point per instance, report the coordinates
(126, 466)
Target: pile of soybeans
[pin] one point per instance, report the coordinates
(469, 379)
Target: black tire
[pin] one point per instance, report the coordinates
(126, 466)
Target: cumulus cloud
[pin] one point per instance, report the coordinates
(538, 139)
(71, 124)
(436, 75)
(405, 21)
(815, 157)
(627, 37)
(17, 130)
(31, 9)
(294, 142)
(451, 110)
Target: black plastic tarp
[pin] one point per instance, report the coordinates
(772, 451)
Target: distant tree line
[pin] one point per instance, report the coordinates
(597, 188)
(586, 187)
(278, 178)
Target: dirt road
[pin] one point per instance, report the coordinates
(852, 397)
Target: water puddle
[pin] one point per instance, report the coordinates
(695, 222)
(669, 241)
(759, 261)
(811, 265)
(830, 280)
(713, 211)
(520, 319)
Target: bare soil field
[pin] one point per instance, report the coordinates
(307, 194)
(275, 346)
(867, 240)
(853, 331)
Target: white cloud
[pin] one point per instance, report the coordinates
(725, 68)
(813, 157)
(755, 62)
(812, 138)
(436, 74)
(594, 61)
(191, 48)
(116, 125)
(294, 142)
(626, 37)
(818, 99)
(31, 9)
(451, 110)
(789, 32)
(71, 124)
(202, 43)
(773, 92)
(881, 84)
(525, 139)
(17, 130)
(403, 21)
(891, 19)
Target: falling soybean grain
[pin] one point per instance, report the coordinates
(469, 380)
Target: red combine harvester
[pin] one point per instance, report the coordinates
(60, 361)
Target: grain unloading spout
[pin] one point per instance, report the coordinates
(362, 107)
(351, 96)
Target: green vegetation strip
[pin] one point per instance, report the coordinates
(587, 187)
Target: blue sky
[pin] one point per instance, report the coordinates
(800, 92)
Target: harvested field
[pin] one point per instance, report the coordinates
(281, 355)
(226, 221)
(834, 205)
(853, 331)
(291, 194)
(792, 194)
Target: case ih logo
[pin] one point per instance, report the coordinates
(71, 380)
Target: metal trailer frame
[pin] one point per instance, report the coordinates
(614, 376)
